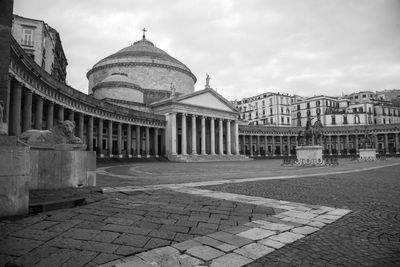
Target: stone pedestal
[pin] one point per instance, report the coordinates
(367, 154)
(309, 156)
(14, 177)
(53, 169)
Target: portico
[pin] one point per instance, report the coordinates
(200, 125)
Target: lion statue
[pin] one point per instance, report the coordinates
(61, 134)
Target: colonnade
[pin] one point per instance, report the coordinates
(108, 137)
(191, 134)
(257, 145)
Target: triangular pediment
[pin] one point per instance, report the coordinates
(208, 100)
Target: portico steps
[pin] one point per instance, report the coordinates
(207, 158)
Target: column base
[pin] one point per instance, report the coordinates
(194, 154)
(258, 155)
(110, 155)
(120, 156)
(129, 156)
(101, 155)
(139, 156)
(147, 156)
(157, 156)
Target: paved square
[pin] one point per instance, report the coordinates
(181, 224)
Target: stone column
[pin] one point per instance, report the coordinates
(258, 146)
(27, 111)
(251, 145)
(281, 146)
(289, 146)
(212, 135)
(110, 138)
(100, 137)
(330, 144)
(228, 138)
(80, 125)
(50, 115)
(39, 113)
(347, 145)
(129, 141)
(119, 139)
(147, 142)
(138, 142)
(221, 137)
(71, 115)
(15, 121)
(356, 142)
(386, 144)
(273, 145)
(156, 142)
(194, 135)
(90, 133)
(396, 138)
(236, 131)
(339, 147)
(60, 115)
(203, 135)
(184, 135)
(265, 145)
(244, 144)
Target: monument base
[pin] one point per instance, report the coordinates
(309, 156)
(367, 154)
(53, 169)
(14, 177)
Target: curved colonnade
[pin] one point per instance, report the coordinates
(338, 140)
(38, 101)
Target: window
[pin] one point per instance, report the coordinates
(318, 103)
(357, 119)
(282, 120)
(270, 111)
(333, 120)
(308, 105)
(272, 121)
(364, 96)
(281, 110)
(256, 104)
(263, 103)
(27, 36)
(298, 114)
(345, 119)
(270, 101)
(308, 113)
(298, 107)
(318, 111)
(288, 120)
(287, 111)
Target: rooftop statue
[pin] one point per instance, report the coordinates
(207, 80)
(59, 137)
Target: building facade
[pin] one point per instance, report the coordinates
(266, 109)
(42, 43)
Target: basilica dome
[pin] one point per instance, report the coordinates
(118, 86)
(146, 66)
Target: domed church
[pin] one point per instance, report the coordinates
(200, 125)
(140, 73)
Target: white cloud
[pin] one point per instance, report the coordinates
(248, 47)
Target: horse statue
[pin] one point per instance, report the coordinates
(317, 131)
(312, 134)
(367, 141)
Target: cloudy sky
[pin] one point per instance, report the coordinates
(248, 47)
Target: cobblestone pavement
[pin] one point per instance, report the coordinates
(179, 225)
(120, 225)
(369, 236)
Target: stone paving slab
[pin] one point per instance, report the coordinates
(241, 245)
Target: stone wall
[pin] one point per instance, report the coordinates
(53, 169)
(150, 77)
(119, 93)
(14, 180)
